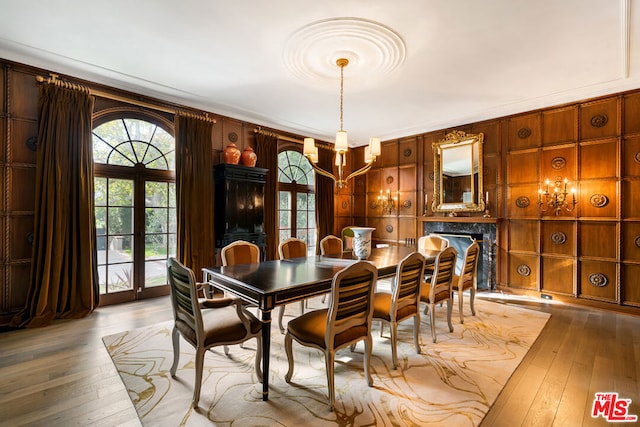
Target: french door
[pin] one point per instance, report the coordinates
(136, 233)
(135, 208)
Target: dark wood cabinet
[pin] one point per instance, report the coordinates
(239, 196)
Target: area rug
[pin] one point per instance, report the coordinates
(453, 382)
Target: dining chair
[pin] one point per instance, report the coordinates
(347, 239)
(345, 322)
(240, 252)
(468, 278)
(438, 289)
(331, 245)
(291, 248)
(403, 302)
(206, 323)
(432, 242)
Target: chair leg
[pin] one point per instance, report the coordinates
(368, 347)
(226, 349)
(472, 297)
(381, 328)
(393, 326)
(175, 338)
(432, 316)
(416, 332)
(449, 311)
(288, 348)
(302, 303)
(328, 360)
(460, 305)
(259, 357)
(198, 383)
(280, 316)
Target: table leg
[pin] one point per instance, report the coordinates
(266, 344)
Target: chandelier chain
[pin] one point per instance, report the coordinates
(341, 92)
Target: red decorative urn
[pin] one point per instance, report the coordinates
(249, 157)
(232, 154)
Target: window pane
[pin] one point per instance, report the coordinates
(120, 277)
(120, 249)
(120, 220)
(120, 192)
(156, 194)
(156, 220)
(100, 191)
(101, 220)
(285, 200)
(155, 246)
(301, 219)
(285, 219)
(301, 201)
(173, 244)
(172, 194)
(173, 221)
(284, 235)
(155, 273)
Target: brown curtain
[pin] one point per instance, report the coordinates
(194, 188)
(324, 196)
(267, 152)
(64, 275)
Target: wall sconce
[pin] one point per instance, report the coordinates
(388, 203)
(557, 198)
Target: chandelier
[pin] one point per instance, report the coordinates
(341, 146)
(557, 198)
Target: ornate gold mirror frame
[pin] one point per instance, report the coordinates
(457, 176)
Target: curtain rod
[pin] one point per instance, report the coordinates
(54, 79)
(321, 144)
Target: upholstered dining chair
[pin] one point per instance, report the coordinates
(331, 245)
(206, 323)
(438, 289)
(345, 322)
(403, 302)
(431, 242)
(347, 239)
(240, 252)
(291, 248)
(468, 278)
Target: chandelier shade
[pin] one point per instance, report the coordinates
(371, 152)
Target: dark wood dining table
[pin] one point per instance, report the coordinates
(273, 283)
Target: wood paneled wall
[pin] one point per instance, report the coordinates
(18, 133)
(592, 252)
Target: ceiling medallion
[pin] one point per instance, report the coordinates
(599, 120)
(373, 50)
(524, 133)
(598, 200)
(558, 163)
(598, 280)
(558, 238)
(523, 270)
(522, 202)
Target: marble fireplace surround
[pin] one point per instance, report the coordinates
(458, 230)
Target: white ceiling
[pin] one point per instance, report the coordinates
(416, 65)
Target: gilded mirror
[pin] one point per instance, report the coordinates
(458, 173)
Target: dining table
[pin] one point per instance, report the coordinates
(273, 283)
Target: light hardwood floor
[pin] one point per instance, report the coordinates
(61, 375)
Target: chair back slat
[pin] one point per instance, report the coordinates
(445, 264)
(184, 296)
(470, 268)
(351, 303)
(409, 274)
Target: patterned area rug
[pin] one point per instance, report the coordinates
(452, 383)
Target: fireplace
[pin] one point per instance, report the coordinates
(461, 232)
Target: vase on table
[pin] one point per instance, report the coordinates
(362, 241)
(232, 154)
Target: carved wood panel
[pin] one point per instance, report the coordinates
(598, 239)
(631, 281)
(407, 152)
(522, 201)
(22, 131)
(523, 167)
(523, 270)
(560, 125)
(492, 133)
(598, 280)
(558, 238)
(523, 236)
(631, 156)
(558, 275)
(389, 154)
(559, 162)
(599, 119)
(598, 199)
(631, 113)
(631, 241)
(599, 160)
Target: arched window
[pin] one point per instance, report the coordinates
(296, 199)
(135, 205)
